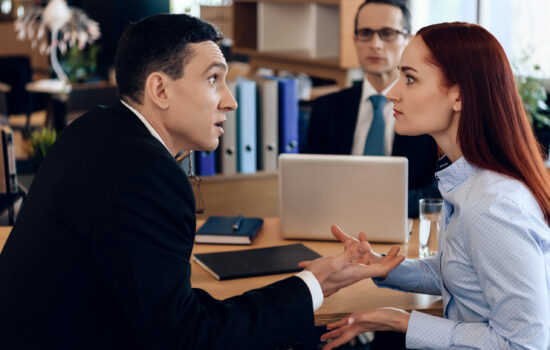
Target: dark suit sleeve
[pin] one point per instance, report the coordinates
(142, 246)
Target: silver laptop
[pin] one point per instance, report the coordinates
(358, 193)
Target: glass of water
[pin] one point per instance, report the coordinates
(430, 212)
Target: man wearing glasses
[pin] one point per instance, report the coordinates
(359, 120)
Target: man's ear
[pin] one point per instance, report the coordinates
(155, 90)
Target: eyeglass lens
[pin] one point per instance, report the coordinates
(386, 34)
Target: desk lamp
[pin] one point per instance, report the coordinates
(68, 26)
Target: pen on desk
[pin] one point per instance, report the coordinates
(237, 223)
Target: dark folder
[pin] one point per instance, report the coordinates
(255, 262)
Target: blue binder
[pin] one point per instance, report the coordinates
(288, 115)
(246, 126)
(206, 163)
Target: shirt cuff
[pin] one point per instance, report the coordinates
(429, 332)
(314, 288)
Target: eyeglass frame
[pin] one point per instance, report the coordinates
(379, 32)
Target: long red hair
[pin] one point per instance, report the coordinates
(493, 132)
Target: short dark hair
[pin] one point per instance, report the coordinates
(402, 4)
(157, 43)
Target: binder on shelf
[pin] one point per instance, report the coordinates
(206, 163)
(228, 141)
(9, 174)
(288, 115)
(268, 110)
(246, 126)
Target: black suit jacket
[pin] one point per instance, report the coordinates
(99, 255)
(332, 127)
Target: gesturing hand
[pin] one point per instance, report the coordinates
(383, 319)
(368, 258)
(346, 268)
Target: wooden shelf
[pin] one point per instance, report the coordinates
(301, 57)
(247, 25)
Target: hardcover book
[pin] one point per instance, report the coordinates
(255, 262)
(229, 230)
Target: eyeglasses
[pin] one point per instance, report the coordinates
(386, 34)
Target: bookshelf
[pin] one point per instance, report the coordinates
(266, 30)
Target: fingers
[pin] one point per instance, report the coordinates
(355, 251)
(393, 250)
(340, 336)
(304, 264)
(362, 237)
(340, 235)
(341, 323)
(391, 260)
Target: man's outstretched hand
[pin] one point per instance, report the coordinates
(358, 261)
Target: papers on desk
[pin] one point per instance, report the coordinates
(255, 262)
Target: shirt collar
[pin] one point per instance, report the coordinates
(369, 90)
(454, 174)
(145, 122)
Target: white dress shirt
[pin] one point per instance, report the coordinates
(364, 120)
(307, 276)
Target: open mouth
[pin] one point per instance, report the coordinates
(220, 124)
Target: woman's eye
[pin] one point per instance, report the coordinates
(409, 79)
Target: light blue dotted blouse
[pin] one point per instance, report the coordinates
(492, 268)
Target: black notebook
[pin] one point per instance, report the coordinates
(229, 230)
(255, 262)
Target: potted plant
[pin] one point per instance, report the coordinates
(41, 143)
(80, 64)
(534, 96)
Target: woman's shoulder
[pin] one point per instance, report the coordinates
(489, 186)
(496, 198)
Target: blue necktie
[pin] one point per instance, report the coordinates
(374, 145)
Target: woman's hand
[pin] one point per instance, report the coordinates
(367, 259)
(383, 319)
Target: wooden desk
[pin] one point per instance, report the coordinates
(363, 295)
(4, 233)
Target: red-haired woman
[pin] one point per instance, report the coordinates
(493, 263)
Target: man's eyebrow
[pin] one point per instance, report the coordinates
(406, 68)
(220, 65)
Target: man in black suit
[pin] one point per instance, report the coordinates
(99, 255)
(345, 122)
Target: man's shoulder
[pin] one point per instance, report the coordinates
(344, 94)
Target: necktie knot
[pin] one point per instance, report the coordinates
(378, 101)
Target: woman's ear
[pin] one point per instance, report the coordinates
(155, 90)
(454, 95)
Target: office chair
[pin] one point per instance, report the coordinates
(16, 72)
